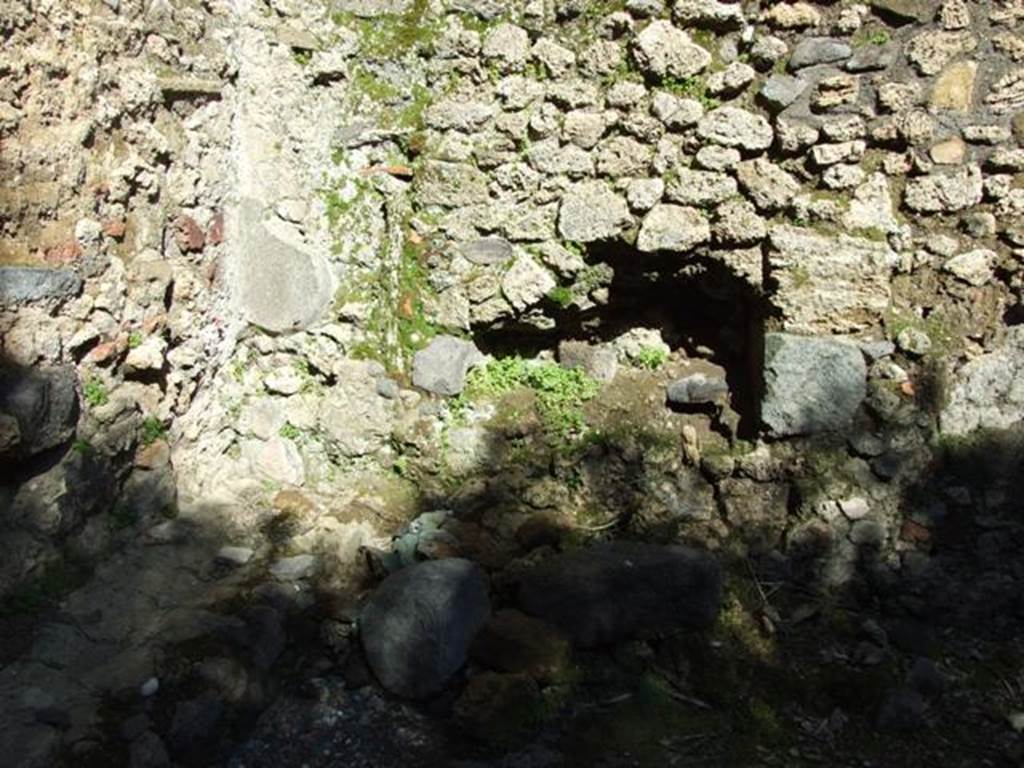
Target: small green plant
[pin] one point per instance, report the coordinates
(302, 57)
(872, 36)
(561, 392)
(152, 430)
(561, 295)
(83, 447)
(691, 88)
(651, 358)
(95, 393)
(289, 431)
(134, 340)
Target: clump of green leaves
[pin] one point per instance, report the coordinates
(651, 358)
(95, 393)
(289, 431)
(560, 392)
(152, 430)
(872, 36)
(691, 88)
(561, 295)
(134, 340)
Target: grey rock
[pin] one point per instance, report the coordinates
(697, 389)
(700, 188)
(867, 533)
(418, 625)
(369, 9)
(829, 284)
(709, 13)
(819, 50)
(598, 362)
(450, 184)
(148, 751)
(812, 384)
(293, 568)
(988, 391)
(487, 251)
(735, 127)
(526, 282)
(870, 58)
(441, 368)
(20, 285)
(234, 556)
(44, 402)
(902, 710)
(488, 10)
(279, 287)
(667, 51)
(387, 388)
(195, 725)
(904, 11)
(766, 184)
(914, 341)
(670, 227)
(944, 192)
(925, 678)
(592, 210)
(618, 590)
(508, 45)
(779, 91)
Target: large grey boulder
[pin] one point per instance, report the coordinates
(278, 287)
(44, 402)
(441, 368)
(418, 626)
(811, 384)
(25, 284)
(620, 589)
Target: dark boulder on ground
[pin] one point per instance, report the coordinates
(417, 627)
(618, 590)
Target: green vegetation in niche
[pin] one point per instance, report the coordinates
(397, 325)
(289, 431)
(95, 393)
(393, 36)
(561, 295)
(651, 358)
(152, 430)
(871, 36)
(691, 88)
(560, 392)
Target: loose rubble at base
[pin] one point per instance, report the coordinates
(511, 383)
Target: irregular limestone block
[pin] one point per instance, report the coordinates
(829, 284)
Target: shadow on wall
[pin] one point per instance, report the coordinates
(821, 614)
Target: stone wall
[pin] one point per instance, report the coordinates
(742, 275)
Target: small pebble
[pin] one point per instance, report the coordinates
(149, 687)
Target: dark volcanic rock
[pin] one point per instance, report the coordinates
(45, 404)
(417, 627)
(26, 284)
(618, 590)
